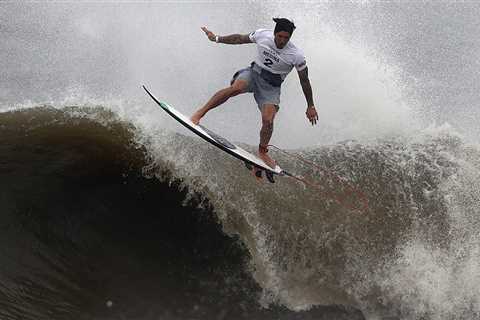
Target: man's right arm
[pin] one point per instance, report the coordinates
(235, 39)
(231, 39)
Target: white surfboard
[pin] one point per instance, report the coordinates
(217, 140)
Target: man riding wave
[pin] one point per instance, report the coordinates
(276, 57)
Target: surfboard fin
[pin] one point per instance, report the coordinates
(269, 176)
(258, 172)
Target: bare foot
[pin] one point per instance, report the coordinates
(266, 158)
(196, 117)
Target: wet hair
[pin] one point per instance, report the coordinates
(283, 24)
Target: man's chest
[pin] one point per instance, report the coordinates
(272, 57)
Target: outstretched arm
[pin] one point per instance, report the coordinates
(307, 91)
(231, 39)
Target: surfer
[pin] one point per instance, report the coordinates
(276, 57)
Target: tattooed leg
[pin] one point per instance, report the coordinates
(268, 114)
(265, 134)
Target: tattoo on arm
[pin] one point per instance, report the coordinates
(306, 87)
(235, 39)
(266, 132)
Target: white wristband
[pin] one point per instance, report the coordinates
(216, 39)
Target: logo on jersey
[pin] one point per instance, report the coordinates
(270, 55)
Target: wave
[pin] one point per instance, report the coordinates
(90, 192)
(93, 226)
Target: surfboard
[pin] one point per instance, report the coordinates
(217, 140)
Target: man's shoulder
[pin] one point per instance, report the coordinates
(294, 49)
(262, 33)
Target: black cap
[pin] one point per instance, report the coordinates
(283, 24)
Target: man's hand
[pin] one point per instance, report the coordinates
(210, 34)
(312, 115)
(230, 39)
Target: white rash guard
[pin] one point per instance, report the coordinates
(273, 59)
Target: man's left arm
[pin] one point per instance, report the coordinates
(307, 91)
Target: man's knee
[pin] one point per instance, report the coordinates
(238, 87)
(235, 91)
(268, 113)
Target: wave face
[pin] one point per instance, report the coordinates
(95, 211)
(405, 256)
(93, 227)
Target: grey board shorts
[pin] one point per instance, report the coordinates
(263, 92)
